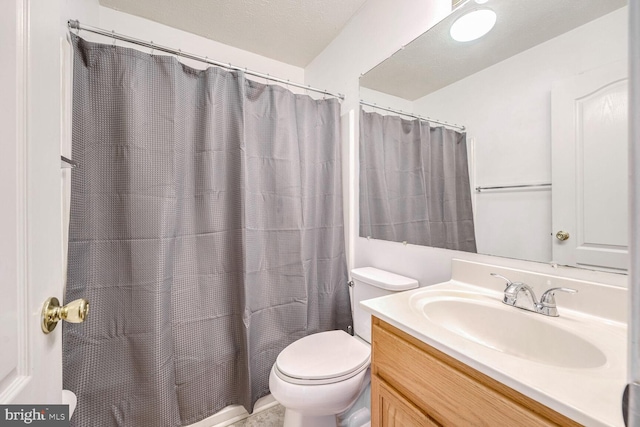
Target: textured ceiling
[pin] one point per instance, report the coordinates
(291, 31)
(434, 60)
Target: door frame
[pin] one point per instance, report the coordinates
(633, 372)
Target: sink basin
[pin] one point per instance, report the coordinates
(510, 330)
(575, 364)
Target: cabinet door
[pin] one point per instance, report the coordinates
(445, 391)
(391, 409)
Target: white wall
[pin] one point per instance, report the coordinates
(507, 111)
(378, 29)
(373, 34)
(85, 11)
(147, 30)
(89, 12)
(384, 100)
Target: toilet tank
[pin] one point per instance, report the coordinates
(369, 282)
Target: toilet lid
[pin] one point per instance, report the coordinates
(322, 356)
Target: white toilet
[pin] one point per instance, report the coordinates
(321, 375)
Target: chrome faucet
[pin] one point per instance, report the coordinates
(547, 304)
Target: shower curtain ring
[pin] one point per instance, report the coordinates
(151, 47)
(113, 35)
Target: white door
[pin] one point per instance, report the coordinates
(589, 169)
(30, 217)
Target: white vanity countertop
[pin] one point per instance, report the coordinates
(590, 396)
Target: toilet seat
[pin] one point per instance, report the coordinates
(322, 358)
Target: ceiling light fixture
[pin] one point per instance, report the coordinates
(473, 25)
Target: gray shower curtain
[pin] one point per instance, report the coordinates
(414, 183)
(206, 232)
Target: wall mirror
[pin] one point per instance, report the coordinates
(542, 98)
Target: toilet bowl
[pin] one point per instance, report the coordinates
(321, 375)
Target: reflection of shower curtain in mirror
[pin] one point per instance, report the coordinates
(414, 183)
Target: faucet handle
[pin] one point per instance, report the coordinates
(548, 301)
(509, 282)
(512, 289)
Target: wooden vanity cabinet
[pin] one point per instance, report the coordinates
(413, 384)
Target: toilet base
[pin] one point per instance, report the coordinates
(296, 419)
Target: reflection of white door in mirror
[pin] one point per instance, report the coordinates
(589, 169)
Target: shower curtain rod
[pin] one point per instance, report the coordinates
(74, 24)
(426, 119)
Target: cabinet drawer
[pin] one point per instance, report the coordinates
(391, 409)
(447, 390)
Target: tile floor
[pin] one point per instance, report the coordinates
(272, 417)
